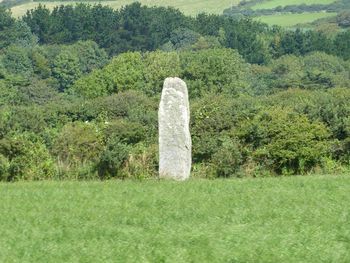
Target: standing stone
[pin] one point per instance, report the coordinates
(174, 131)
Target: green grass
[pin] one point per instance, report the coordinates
(289, 20)
(274, 3)
(188, 7)
(299, 219)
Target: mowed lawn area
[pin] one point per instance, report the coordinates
(289, 20)
(296, 219)
(187, 7)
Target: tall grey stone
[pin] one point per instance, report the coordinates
(174, 131)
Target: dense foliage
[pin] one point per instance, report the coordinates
(80, 87)
(139, 28)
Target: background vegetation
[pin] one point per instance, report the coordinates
(80, 88)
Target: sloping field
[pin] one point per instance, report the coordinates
(274, 3)
(289, 20)
(188, 7)
(295, 219)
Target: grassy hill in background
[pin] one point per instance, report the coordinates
(291, 13)
(187, 7)
(290, 20)
(274, 3)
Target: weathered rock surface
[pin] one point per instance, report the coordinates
(174, 133)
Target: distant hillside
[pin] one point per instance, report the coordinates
(292, 13)
(275, 3)
(186, 6)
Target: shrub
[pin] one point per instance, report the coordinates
(113, 158)
(227, 160)
(92, 86)
(77, 145)
(142, 162)
(210, 116)
(126, 72)
(4, 168)
(285, 141)
(126, 131)
(28, 158)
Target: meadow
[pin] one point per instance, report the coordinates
(274, 3)
(289, 20)
(286, 219)
(187, 7)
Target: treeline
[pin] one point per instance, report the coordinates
(140, 28)
(70, 111)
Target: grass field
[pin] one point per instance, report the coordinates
(188, 7)
(299, 219)
(289, 20)
(274, 3)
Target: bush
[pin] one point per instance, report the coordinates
(142, 162)
(284, 141)
(27, 158)
(4, 168)
(77, 145)
(210, 116)
(213, 117)
(227, 160)
(112, 159)
(92, 86)
(126, 131)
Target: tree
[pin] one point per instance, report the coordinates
(341, 45)
(90, 55)
(325, 71)
(40, 22)
(158, 66)
(214, 70)
(16, 61)
(6, 20)
(66, 69)
(287, 71)
(183, 38)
